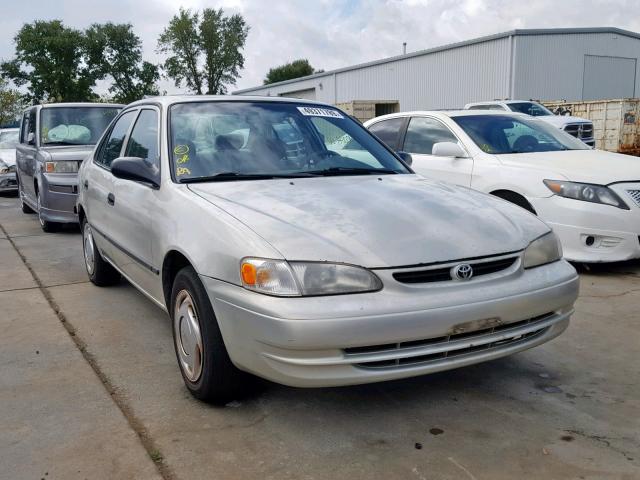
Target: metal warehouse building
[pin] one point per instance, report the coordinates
(546, 64)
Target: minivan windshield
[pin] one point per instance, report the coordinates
(530, 108)
(500, 134)
(8, 139)
(222, 141)
(74, 125)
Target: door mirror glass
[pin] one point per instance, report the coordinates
(136, 169)
(447, 149)
(406, 157)
(31, 138)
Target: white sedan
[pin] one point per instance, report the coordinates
(591, 198)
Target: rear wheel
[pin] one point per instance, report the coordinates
(205, 365)
(46, 225)
(100, 272)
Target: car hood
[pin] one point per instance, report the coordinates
(8, 156)
(562, 120)
(75, 152)
(591, 166)
(392, 220)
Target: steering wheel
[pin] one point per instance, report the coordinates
(526, 143)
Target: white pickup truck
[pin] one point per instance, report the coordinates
(578, 127)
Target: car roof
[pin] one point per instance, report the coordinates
(10, 129)
(448, 113)
(77, 104)
(172, 99)
(493, 102)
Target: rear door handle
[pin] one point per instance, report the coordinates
(111, 199)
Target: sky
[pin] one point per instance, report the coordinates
(330, 33)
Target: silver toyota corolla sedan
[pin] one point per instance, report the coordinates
(287, 242)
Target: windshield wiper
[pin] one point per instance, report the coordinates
(335, 171)
(232, 176)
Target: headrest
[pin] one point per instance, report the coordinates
(229, 141)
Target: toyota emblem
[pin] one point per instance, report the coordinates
(464, 271)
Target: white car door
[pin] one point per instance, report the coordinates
(135, 205)
(422, 133)
(97, 184)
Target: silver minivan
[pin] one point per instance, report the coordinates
(54, 139)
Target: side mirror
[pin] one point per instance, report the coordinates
(447, 149)
(136, 169)
(31, 138)
(406, 157)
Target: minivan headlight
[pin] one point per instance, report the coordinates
(586, 192)
(543, 250)
(295, 279)
(61, 166)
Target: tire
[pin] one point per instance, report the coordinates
(207, 370)
(47, 226)
(99, 271)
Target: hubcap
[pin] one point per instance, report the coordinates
(187, 336)
(89, 258)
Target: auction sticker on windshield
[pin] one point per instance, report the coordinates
(319, 112)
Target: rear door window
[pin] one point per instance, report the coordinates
(423, 133)
(388, 131)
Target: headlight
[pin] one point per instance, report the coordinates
(294, 279)
(62, 166)
(4, 168)
(543, 250)
(586, 192)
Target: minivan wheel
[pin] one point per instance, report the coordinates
(100, 272)
(206, 368)
(45, 224)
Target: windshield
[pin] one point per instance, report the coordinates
(530, 108)
(499, 134)
(9, 139)
(74, 125)
(215, 141)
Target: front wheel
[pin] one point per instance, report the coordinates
(46, 225)
(100, 272)
(205, 365)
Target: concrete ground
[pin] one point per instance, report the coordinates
(90, 388)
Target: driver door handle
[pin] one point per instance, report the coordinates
(86, 184)
(111, 199)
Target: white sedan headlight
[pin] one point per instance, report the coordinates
(295, 279)
(586, 192)
(543, 250)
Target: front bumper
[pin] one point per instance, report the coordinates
(58, 196)
(592, 232)
(401, 331)
(8, 182)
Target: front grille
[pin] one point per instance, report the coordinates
(443, 274)
(635, 194)
(450, 346)
(580, 130)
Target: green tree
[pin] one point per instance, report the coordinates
(49, 62)
(11, 104)
(296, 69)
(116, 52)
(205, 51)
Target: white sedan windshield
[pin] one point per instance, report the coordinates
(500, 134)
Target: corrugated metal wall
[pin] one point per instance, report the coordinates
(542, 66)
(445, 79)
(551, 67)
